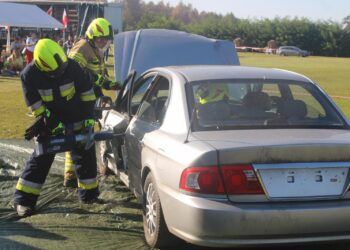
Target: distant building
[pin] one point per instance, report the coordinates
(80, 13)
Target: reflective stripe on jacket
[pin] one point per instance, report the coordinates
(91, 61)
(89, 58)
(69, 97)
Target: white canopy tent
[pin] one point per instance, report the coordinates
(25, 15)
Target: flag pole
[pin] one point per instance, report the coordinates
(8, 40)
(65, 23)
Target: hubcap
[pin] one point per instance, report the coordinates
(151, 209)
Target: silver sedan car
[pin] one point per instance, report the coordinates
(291, 51)
(231, 156)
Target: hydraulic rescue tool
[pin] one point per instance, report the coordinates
(57, 144)
(50, 144)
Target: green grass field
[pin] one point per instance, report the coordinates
(332, 74)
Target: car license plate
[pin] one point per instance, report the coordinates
(308, 182)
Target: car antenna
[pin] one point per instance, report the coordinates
(191, 122)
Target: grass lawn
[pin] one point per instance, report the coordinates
(332, 74)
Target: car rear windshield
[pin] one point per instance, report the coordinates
(234, 104)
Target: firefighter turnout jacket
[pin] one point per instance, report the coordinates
(71, 99)
(91, 60)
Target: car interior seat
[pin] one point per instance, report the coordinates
(293, 109)
(259, 100)
(255, 104)
(214, 111)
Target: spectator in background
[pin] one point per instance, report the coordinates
(60, 43)
(2, 59)
(46, 35)
(17, 44)
(14, 63)
(68, 44)
(29, 47)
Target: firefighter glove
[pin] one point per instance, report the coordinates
(88, 125)
(114, 85)
(99, 79)
(52, 123)
(37, 128)
(58, 130)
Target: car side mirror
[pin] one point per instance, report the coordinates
(104, 103)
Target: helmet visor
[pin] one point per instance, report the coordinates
(110, 37)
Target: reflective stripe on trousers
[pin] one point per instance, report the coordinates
(37, 168)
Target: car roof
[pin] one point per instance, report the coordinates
(208, 72)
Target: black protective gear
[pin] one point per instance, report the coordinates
(44, 125)
(37, 128)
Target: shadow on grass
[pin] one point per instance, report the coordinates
(10, 244)
(18, 228)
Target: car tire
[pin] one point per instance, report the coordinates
(102, 164)
(156, 231)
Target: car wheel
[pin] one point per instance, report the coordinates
(156, 232)
(102, 163)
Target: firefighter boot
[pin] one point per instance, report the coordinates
(23, 211)
(70, 179)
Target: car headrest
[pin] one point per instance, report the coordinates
(293, 109)
(257, 100)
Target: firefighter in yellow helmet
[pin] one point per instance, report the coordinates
(62, 99)
(213, 101)
(89, 53)
(209, 93)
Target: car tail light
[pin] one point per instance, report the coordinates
(241, 179)
(202, 180)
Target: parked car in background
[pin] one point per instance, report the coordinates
(291, 51)
(224, 155)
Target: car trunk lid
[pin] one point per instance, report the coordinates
(294, 164)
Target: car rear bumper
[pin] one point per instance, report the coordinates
(222, 224)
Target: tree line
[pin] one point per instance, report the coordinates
(325, 38)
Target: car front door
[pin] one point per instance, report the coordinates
(148, 119)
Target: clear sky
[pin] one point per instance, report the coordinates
(314, 10)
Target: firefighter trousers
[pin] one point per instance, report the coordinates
(37, 168)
